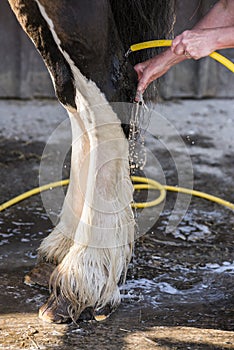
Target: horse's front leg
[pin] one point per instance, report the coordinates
(89, 274)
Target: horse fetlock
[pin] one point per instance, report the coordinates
(86, 282)
(54, 247)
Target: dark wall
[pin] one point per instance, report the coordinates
(23, 74)
(22, 71)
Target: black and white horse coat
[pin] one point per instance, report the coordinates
(82, 43)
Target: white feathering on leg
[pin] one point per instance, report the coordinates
(57, 244)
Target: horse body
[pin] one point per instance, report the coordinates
(91, 246)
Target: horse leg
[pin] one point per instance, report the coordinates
(89, 274)
(56, 245)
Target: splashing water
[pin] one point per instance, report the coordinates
(137, 151)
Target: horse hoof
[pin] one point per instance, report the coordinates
(40, 275)
(103, 313)
(86, 314)
(55, 310)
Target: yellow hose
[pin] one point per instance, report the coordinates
(145, 183)
(151, 185)
(32, 193)
(162, 43)
(154, 185)
(150, 44)
(203, 195)
(223, 60)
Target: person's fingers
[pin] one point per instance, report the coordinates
(143, 75)
(188, 55)
(139, 70)
(151, 70)
(180, 49)
(177, 46)
(181, 43)
(138, 96)
(142, 85)
(176, 42)
(191, 53)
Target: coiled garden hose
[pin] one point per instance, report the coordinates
(143, 184)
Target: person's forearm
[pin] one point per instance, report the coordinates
(221, 15)
(221, 19)
(213, 32)
(223, 37)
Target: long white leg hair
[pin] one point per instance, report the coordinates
(91, 271)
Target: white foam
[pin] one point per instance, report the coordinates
(167, 288)
(225, 267)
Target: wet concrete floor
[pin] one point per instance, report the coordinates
(179, 290)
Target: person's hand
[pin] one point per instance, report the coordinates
(195, 43)
(150, 70)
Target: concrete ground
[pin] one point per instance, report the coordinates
(179, 290)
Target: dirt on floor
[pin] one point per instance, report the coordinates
(180, 283)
